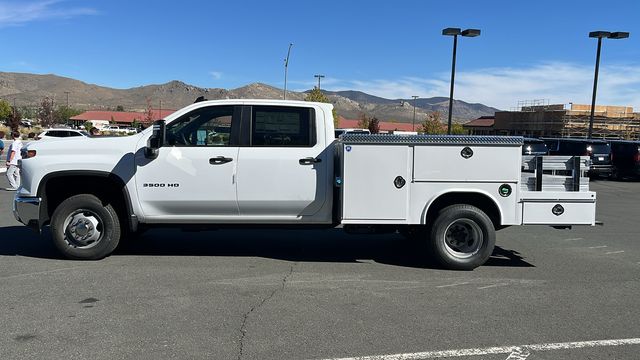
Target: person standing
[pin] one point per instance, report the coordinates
(13, 155)
(1, 143)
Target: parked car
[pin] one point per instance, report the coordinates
(598, 150)
(625, 158)
(118, 129)
(533, 146)
(60, 133)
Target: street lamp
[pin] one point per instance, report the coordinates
(319, 76)
(286, 65)
(600, 35)
(455, 32)
(413, 126)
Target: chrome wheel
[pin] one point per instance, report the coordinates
(83, 229)
(463, 238)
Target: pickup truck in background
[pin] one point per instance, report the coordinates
(277, 163)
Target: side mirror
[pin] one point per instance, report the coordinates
(156, 140)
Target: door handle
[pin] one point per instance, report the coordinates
(309, 161)
(219, 160)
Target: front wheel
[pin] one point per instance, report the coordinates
(462, 237)
(84, 228)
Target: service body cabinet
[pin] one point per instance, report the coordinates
(381, 176)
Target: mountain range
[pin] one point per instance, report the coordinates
(29, 90)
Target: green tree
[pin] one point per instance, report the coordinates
(432, 124)
(5, 110)
(316, 95)
(88, 125)
(374, 125)
(62, 114)
(363, 121)
(119, 108)
(458, 129)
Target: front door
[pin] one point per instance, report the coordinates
(193, 177)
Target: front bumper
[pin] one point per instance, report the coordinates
(27, 210)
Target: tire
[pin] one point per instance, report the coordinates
(83, 228)
(462, 237)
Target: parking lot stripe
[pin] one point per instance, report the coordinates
(492, 286)
(521, 350)
(456, 284)
(614, 252)
(597, 247)
(574, 239)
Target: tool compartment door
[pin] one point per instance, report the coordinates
(376, 182)
(558, 208)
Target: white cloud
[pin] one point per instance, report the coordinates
(557, 82)
(216, 75)
(19, 13)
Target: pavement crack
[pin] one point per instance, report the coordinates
(255, 308)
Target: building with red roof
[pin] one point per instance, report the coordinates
(483, 125)
(122, 118)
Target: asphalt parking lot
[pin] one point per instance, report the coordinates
(253, 294)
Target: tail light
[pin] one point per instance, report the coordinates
(636, 158)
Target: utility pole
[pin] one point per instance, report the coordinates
(67, 93)
(319, 76)
(286, 65)
(413, 127)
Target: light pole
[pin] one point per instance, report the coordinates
(600, 35)
(413, 126)
(455, 32)
(286, 65)
(319, 76)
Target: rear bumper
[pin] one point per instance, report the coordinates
(27, 211)
(604, 170)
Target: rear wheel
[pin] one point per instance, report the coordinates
(462, 237)
(84, 228)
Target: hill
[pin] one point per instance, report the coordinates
(30, 89)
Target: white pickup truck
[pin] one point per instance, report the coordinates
(269, 162)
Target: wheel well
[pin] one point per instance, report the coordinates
(108, 189)
(481, 201)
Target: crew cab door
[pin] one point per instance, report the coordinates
(193, 177)
(282, 171)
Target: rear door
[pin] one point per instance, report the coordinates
(282, 170)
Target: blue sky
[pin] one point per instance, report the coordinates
(527, 50)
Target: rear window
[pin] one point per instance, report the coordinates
(600, 148)
(534, 148)
(282, 127)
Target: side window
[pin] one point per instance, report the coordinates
(73, 133)
(281, 126)
(208, 126)
(56, 133)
